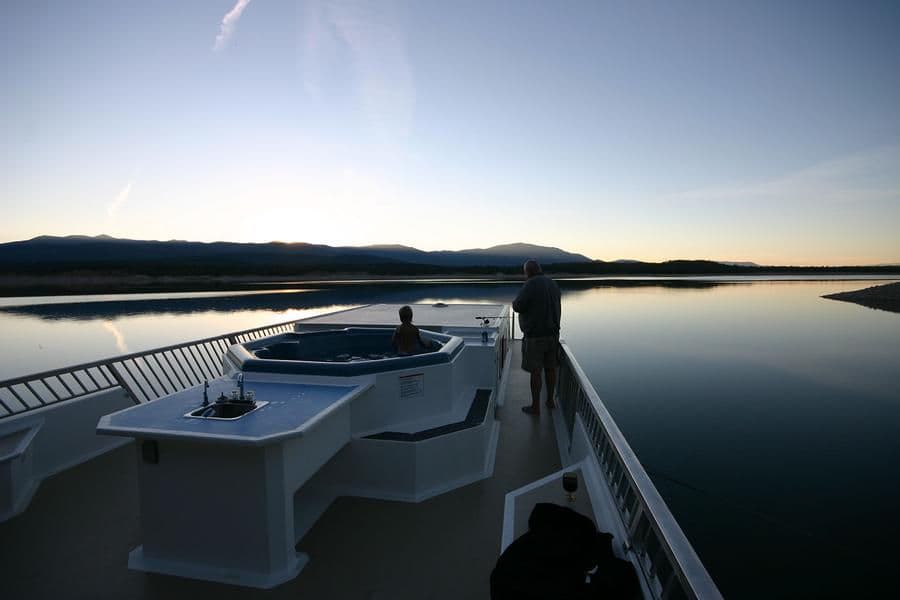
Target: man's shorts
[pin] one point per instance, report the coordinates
(540, 353)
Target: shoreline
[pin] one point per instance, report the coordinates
(879, 297)
(90, 284)
(76, 284)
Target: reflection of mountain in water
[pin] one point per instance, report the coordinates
(369, 293)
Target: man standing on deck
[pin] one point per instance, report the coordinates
(539, 309)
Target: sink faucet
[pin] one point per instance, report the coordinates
(485, 323)
(240, 379)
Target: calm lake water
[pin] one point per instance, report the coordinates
(768, 417)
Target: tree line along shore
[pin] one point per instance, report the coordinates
(21, 282)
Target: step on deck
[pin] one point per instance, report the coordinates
(474, 418)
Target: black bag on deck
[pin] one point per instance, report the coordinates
(615, 580)
(552, 558)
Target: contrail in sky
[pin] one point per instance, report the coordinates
(229, 22)
(120, 199)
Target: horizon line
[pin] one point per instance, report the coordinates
(734, 262)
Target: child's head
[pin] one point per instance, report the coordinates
(405, 314)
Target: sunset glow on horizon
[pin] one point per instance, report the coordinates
(767, 132)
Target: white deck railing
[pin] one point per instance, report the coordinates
(145, 376)
(664, 553)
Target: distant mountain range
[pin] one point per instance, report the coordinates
(500, 256)
(48, 253)
(102, 255)
(744, 263)
(625, 261)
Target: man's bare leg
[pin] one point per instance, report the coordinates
(536, 391)
(550, 374)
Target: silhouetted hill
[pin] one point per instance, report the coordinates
(496, 256)
(745, 263)
(82, 256)
(47, 254)
(53, 254)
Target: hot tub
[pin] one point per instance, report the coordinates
(339, 352)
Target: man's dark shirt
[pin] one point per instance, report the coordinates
(538, 305)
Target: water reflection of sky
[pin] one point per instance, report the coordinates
(767, 415)
(762, 323)
(780, 406)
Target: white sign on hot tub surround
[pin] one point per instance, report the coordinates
(412, 386)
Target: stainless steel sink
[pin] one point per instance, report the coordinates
(226, 411)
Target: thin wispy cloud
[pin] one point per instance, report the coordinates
(229, 23)
(867, 177)
(113, 207)
(374, 38)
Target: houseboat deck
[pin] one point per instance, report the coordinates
(73, 540)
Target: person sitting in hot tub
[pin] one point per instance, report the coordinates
(407, 339)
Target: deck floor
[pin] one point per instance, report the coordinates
(74, 539)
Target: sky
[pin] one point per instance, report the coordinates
(747, 131)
